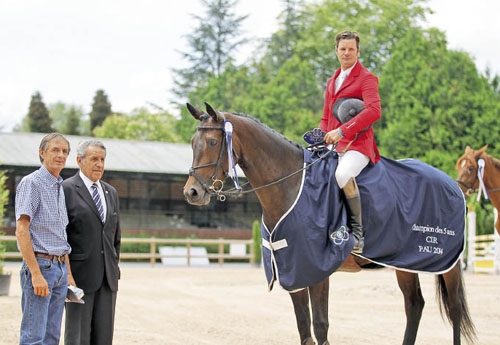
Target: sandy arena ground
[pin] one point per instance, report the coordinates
(231, 305)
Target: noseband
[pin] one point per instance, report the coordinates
(217, 185)
(469, 188)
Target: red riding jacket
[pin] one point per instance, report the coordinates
(363, 85)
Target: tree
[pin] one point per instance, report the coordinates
(38, 115)
(73, 120)
(140, 125)
(281, 46)
(433, 100)
(290, 100)
(213, 45)
(101, 108)
(286, 91)
(66, 118)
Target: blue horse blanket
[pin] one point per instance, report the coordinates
(413, 217)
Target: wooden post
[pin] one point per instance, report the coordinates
(188, 253)
(221, 252)
(471, 239)
(152, 246)
(496, 239)
(252, 256)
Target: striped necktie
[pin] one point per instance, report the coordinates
(98, 202)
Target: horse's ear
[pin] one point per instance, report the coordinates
(195, 112)
(211, 111)
(482, 150)
(479, 153)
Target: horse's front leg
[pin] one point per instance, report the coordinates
(319, 304)
(414, 304)
(300, 301)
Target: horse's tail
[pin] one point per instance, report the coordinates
(467, 328)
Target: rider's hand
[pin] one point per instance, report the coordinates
(332, 137)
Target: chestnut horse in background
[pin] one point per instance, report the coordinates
(469, 175)
(272, 164)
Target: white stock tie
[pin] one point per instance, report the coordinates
(340, 80)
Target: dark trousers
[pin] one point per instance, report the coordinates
(91, 323)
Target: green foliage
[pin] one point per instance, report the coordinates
(431, 98)
(284, 88)
(38, 116)
(257, 242)
(213, 45)
(380, 23)
(4, 200)
(282, 43)
(67, 119)
(101, 109)
(140, 125)
(485, 219)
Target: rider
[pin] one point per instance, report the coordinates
(355, 141)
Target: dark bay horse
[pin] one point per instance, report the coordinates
(271, 164)
(469, 175)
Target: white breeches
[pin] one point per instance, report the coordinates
(350, 165)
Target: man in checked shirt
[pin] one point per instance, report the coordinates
(41, 237)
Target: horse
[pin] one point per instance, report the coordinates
(271, 163)
(471, 176)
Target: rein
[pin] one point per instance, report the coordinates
(218, 185)
(281, 179)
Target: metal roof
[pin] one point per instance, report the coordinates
(21, 149)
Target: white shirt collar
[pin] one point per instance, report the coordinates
(88, 182)
(347, 71)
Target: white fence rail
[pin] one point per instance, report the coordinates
(188, 254)
(483, 251)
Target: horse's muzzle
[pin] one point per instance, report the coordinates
(195, 195)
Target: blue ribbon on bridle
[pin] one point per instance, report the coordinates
(228, 129)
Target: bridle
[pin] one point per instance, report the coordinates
(478, 178)
(469, 188)
(217, 185)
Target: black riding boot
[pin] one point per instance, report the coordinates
(354, 213)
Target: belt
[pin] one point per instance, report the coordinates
(50, 257)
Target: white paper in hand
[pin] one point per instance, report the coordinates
(75, 295)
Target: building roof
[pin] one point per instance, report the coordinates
(21, 149)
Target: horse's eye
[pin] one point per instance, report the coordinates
(471, 169)
(212, 142)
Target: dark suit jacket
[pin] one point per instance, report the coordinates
(363, 85)
(95, 247)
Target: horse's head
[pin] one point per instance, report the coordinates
(467, 169)
(210, 161)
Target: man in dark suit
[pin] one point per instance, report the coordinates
(94, 234)
(354, 137)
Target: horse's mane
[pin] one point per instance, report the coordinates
(493, 160)
(206, 117)
(258, 122)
